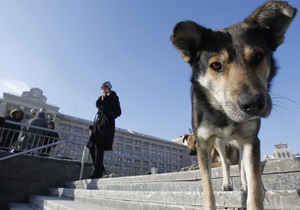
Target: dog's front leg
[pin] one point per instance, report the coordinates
(252, 165)
(242, 170)
(220, 147)
(204, 160)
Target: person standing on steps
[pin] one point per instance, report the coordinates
(102, 135)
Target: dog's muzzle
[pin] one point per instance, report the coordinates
(252, 104)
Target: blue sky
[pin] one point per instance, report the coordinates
(68, 48)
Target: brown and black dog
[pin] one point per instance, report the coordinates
(231, 151)
(232, 69)
(217, 159)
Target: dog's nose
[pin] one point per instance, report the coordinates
(251, 104)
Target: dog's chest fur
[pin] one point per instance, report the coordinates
(229, 132)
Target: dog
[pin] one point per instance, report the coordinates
(231, 152)
(232, 70)
(231, 158)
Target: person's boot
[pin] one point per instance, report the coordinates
(96, 175)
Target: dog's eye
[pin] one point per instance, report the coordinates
(216, 66)
(258, 57)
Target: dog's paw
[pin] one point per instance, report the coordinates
(244, 188)
(226, 187)
(184, 169)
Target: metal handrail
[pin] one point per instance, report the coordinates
(22, 132)
(32, 150)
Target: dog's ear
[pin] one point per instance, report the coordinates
(276, 16)
(185, 137)
(187, 38)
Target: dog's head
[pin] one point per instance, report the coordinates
(234, 66)
(190, 141)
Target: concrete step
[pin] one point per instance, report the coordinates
(284, 181)
(85, 203)
(174, 191)
(277, 175)
(20, 206)
(55, 203)
(280, 199)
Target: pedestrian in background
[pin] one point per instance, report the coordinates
(51, 137)
(34, 137)
(11, 132)
(103, 131)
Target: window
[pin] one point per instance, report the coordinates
(137, 155)
(118, 152)
(64, 136)
(119, 138)
(75, 138)
(78, 130)
(127, 154)
(118, 159)
(73, 152)
(65, 127)
(62, 151)
(128, 140)
(108, 157)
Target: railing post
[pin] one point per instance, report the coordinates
(85, 156)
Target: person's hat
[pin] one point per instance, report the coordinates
(106, 85)
(12, 113)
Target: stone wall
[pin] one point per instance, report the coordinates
(25, 175)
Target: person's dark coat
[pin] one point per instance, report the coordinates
(104, 124)
(52, 137)
(35, 137)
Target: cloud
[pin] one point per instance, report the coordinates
(15, 86)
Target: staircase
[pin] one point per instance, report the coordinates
(172, 191)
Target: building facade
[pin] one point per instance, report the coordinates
(133, 153)
(281, 151)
